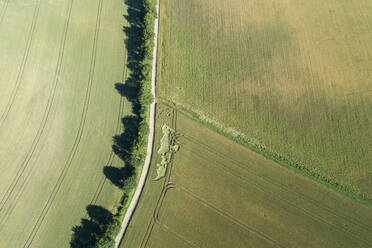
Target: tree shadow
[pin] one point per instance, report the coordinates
(92, 228)
(124, 142)
(87, 233)
(99, 215)
(134, 44)
(130, 91)
(123, 148)
(114, 174)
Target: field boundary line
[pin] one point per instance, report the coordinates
(41, 128)
(264, 178)
(129, 212)
(25, 56)
(75, 146)
(284, 161)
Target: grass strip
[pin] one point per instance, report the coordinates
(295, 166)
(131, 146)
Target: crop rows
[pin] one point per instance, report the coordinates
(234, 162)
(205, 167)
(36, 163)
(23, 167)
(284, 83)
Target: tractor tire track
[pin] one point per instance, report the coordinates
(294, 206)
(118, 128)
(3, 11)
(146, 166)
(72, 154)
(25, 164)
(103, 179)
(165, 190)
(230, 217)
(14, 92)
(266, 179)
(160, 199)
(154, 218)
(168, 230)
(273, 195)
(211, 206)
(166, 185)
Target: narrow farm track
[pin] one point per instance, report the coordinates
(150, 142)
(332, 212)
(20, 172)
(79, 135)
(13, 94)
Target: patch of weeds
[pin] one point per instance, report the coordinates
(168, 147)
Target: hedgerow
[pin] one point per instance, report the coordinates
(142, 75)
(131, 146)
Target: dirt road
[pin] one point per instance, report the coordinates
(146, 166)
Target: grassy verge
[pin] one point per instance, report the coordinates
(216, 190)
(276, 74)
(278, 158)
(131, 146)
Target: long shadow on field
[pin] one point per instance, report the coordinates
(125, 143)
(87, 233)
(134, 45)
(101, 221)
(123, 148)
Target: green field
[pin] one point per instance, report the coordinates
(59, 109)
(291, 77)
(220, 194)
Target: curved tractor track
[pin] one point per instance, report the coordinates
(72, 154)
(20, 173)
(31, 33)
(146, 166)
(3, 11)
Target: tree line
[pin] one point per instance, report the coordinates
(100, 229)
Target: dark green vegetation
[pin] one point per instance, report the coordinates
(60, 63)
(98, 231)
(217, 193)
(292, 79)
(131, 146)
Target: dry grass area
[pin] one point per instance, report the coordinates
(220, 194)
(293, 76)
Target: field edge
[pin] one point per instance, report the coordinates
(278, 158)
